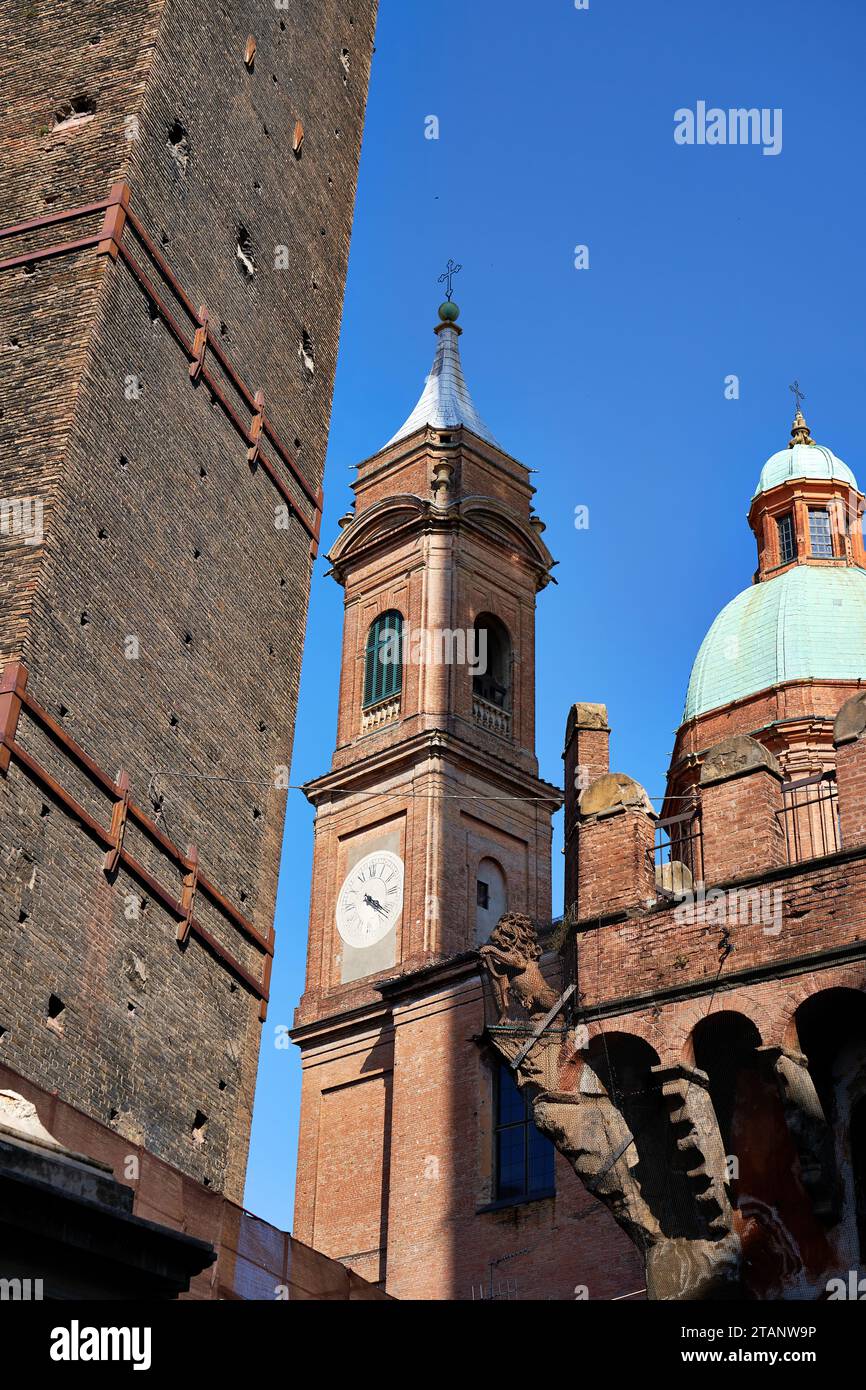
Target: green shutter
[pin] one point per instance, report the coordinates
(383, 666)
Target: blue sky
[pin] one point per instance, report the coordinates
(556, 130)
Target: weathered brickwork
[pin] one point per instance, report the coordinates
(678, 949)
(162, 618)
(431, 1228)
(253, 1260)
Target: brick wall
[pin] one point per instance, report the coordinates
(157, 528)
(439, 1230)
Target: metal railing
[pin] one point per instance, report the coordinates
(810, 817)
(678, 854)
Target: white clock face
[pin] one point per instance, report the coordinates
(371, 899)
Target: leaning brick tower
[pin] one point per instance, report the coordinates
(175, 215)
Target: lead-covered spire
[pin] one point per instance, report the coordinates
(445, 402)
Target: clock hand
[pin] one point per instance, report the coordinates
(374, 903)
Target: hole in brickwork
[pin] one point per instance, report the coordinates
(63, 711)
(245, 255)
(344, 59)
(187, 639)
(202, 471)
(282, 581)
(84, 620)
(233, 989)
(174, 721)
(102, 534)
(164, 238)
(178, 146)
(44, 810)
(222, 1084)
(152, 311)
(123, 463)
(29, 270)
(56, 1008)
(257, 815)
(262, 726)
(199, 1127)
(223, 330)
(297, 443)
(337, 132)
(242, 894)
(3, 1032)
(257, 186)
(196, 554)
(306, 351)
(73, 113)
(23, 914)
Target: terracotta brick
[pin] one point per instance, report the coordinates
(156, 527)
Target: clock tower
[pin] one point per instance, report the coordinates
(431, 822)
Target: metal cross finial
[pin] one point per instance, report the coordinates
(798, 394)
(450, 271)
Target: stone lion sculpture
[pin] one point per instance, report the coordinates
(511, 958)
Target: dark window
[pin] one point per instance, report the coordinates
(820, 535)
(491, 678)
(524, 1156)
(383, 663)
(787, 544)
(482, 893)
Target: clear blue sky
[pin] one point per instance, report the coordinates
(556, 129)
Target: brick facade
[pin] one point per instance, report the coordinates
(395, 1171)
(162, 615)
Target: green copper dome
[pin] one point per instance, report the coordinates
(808, 622)
(803, 461)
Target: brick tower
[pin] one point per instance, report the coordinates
(174, 226)
(430, 824)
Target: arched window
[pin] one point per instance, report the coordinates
(383, 659)
(491, 680)
(491, 899)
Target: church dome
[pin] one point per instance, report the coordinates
(813, 461)
(807, 623)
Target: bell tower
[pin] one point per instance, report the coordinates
(432, 820)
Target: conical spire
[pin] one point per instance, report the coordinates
(445, 401)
